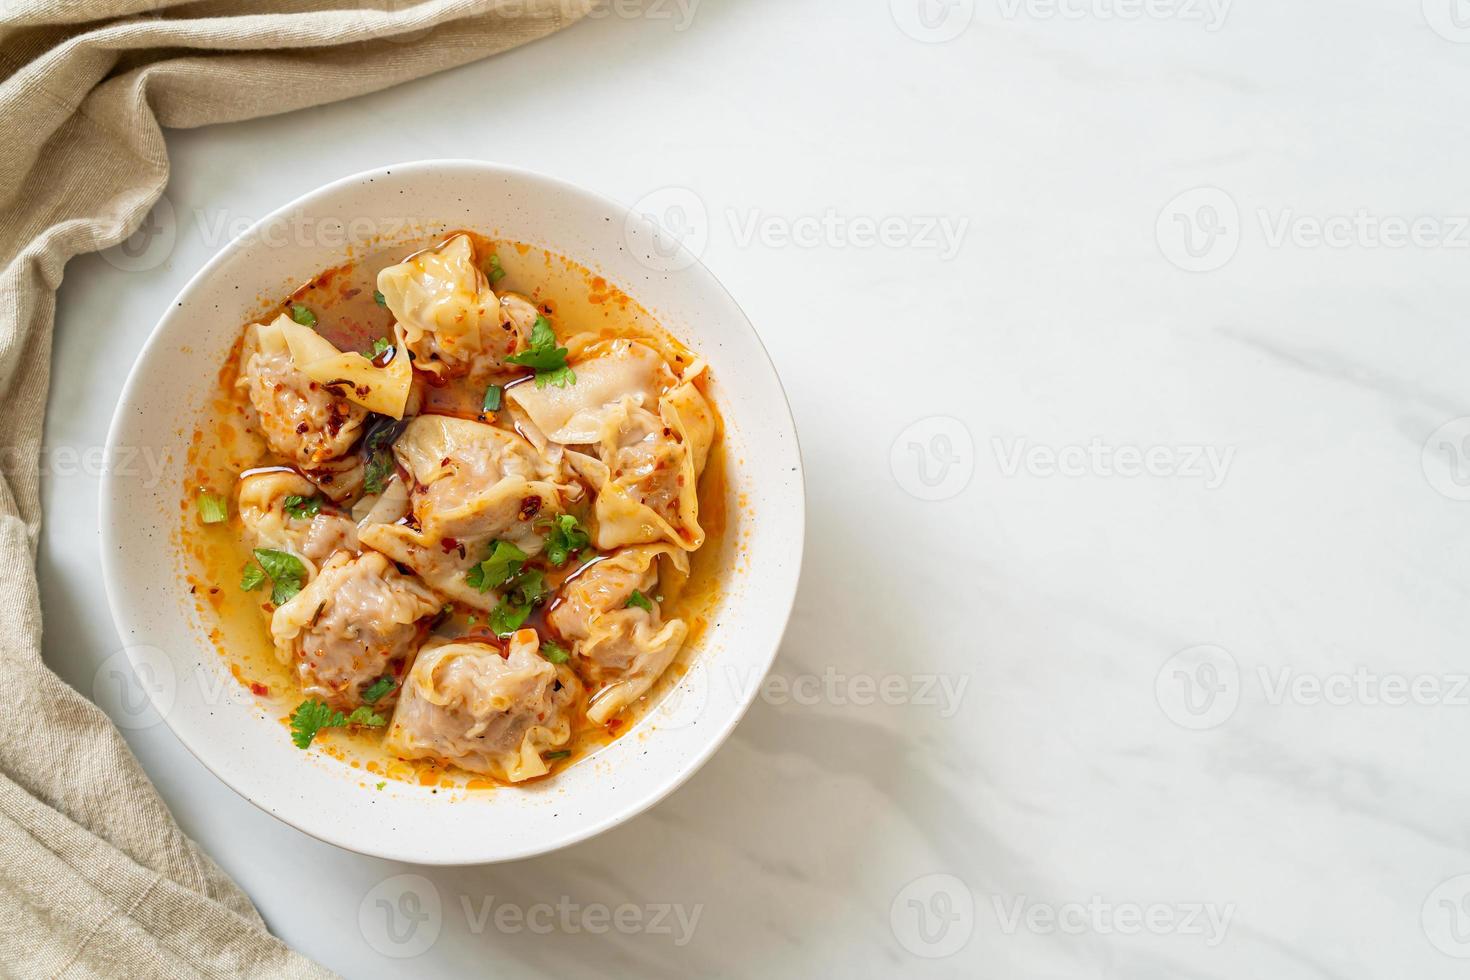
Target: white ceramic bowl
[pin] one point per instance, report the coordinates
(244, 744)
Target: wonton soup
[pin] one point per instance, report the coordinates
(454, 511)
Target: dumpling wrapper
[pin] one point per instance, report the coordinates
(378, 389)
(465, 703)
(573, 415)
(473, 483)
(645, 467)
(350, 625)
(261, 504)
(443, 303)
(622, 649)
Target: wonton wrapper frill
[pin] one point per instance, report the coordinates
(622, 649)
(300, 418)
(466, 704)
(472, 484)
(349, 626)
(644, 465)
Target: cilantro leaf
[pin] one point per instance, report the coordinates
(379, 687)
(492, 399)
(566, 537)
(529, 588)
(523, 593)
(311, 717)
(494, 271)
(213, 508)
(303, 315)
(286, 572)
(366, 716)
(640, 600)
(559, 378)
(548, 360)
(555, 652)
(251, 577)
(379, 345)
(507, 617)
(378, 298)
(504, 560)
(302, 508)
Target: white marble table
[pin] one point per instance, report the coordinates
(1118, 335)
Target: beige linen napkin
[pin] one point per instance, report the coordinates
(96, 879)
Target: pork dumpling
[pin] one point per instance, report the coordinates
(484, 711)
(262, 505)
(621, 642)
(472, 484)
(301, 419)
(574, 414)
(449, 315)
(357, 621)
(649, 435)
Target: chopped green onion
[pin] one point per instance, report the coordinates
(213, 508)
(492, 399)
(302, 315)
(640, 600)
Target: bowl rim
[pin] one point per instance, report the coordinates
(109, 499)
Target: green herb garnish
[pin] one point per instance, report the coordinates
(286, 572)
(566, 536)
(558, 754)
(379, 687)
(251, 577)
(378, 446)
(378, 298)
(549, 360)
(507, 617)
(366, 716)
(503, 561)
(379, 345)
(522, 594)
(302, 508)
(494, 272)
(302, 315)
(554, 652)
(213, 508)
(640, 600)
(492, 399)
(310, 717)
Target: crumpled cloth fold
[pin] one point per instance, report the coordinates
(96, 878)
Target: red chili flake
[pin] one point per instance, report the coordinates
(530, 507)
(259, 690)
(301, 429)
(448, 545)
